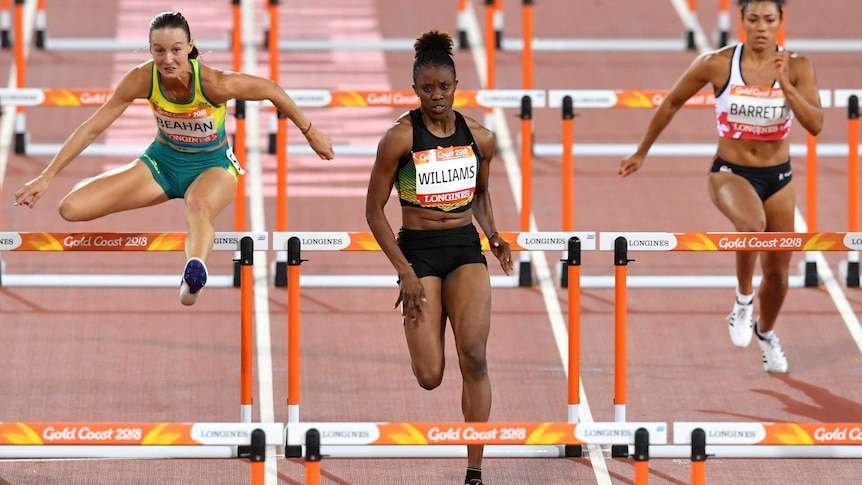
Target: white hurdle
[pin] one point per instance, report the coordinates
(131, 440)
(768, 440)
(721, 241)
(699, 441)
(66, 440)
(364, 241)
(598, 99)
(449, 440)
(115, 241)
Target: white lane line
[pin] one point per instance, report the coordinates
(700, 40)
(546, 282)
(835, 290)
(7, 125)
(254, 194)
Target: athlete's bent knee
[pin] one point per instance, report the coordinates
(751, 225)
(427, 378)
(71, 211)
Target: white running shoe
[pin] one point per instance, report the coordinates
(739, 322)
(774, 359)
(194, 279)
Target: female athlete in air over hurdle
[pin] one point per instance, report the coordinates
(190, 157)
(759, 88)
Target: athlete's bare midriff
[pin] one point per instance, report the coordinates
(431, 220)
(754, 153)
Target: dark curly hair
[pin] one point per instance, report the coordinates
(433, 48)
(778, 4)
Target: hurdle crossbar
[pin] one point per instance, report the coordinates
(475, 433)
(104, 44)
(734, 241)
(143, 441)
(718, 241)
(790, 434)
(449, 440)
(128, 440)
(766, 440)
(365, 241)
(115, 241)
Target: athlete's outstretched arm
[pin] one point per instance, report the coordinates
(135, 84)
(692, 80)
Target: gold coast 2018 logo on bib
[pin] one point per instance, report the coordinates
(445, 176)
(757, 113)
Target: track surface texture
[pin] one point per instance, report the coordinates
(137, 354)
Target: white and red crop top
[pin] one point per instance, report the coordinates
(751, 112)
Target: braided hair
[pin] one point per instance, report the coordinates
(433, 48)
(173, 20)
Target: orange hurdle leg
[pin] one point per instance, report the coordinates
(258, 457)
(698, 457)
(312, 457)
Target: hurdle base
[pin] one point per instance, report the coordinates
(20, 143)
(243, 451)
(293, 451)
(463, 41)
(273, 144)
(280, 274)
(564, 275)
(525, 274)
(853, 274)
(574, 451)
(619, 451)
(811, 279)
(723, 38)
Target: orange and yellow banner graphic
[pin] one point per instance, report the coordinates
(96, 434)
(810, 434)
(547, 433)
(523, 433)
(137, 434)
(307, 98)
(365, 241)
(732, 241)
(651, 99)
(78, 97)
(92, 241)
(121, 241)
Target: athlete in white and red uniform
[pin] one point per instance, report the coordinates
(760, 88)
(747, 112)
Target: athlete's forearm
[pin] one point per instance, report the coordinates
(809, 115)
(659, 121)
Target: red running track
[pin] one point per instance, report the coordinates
(137, 355)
